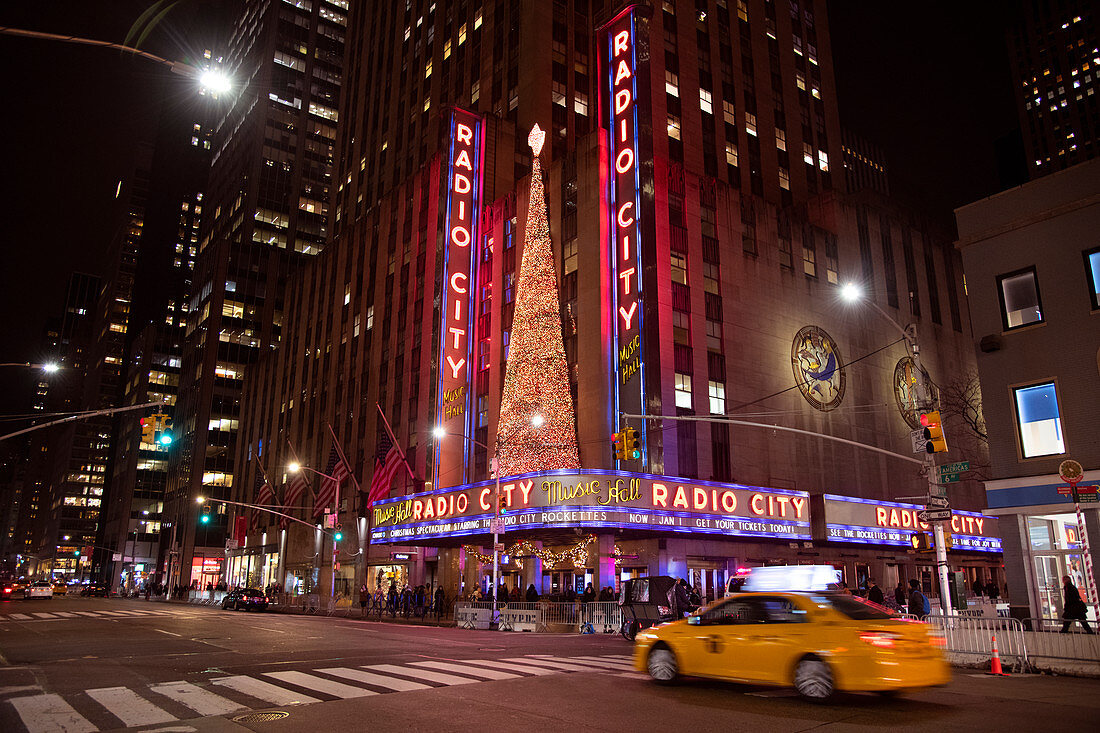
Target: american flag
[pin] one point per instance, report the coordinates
(338, 470)
(387, 460)
(294, 490)
(265, 496)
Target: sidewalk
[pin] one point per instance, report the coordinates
(348, 612)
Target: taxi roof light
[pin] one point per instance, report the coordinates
(803, 578)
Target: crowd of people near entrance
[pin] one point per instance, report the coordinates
(410, 602)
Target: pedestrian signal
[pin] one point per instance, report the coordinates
(618, 446)
(921, 542)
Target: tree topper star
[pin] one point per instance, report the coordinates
(536, 139)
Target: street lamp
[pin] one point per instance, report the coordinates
(49, 367)
(439, 433)
(852, 293)
(295, 467)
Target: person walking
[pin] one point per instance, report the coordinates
(1073, 608)
(899, 594)
(364, 598)
(918, 602)
(874, 593)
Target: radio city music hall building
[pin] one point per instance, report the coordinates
(688, 228)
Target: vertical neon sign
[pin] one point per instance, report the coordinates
(623, 179)
(463, 205)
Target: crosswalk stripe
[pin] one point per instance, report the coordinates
(550, 663)
(320, 684)
(369, 678)
(264, 690)
(41, 614)
(598, 665)
(513, 667)
(490, 674)
(20, 616)
(111, 613)
(129, 707)
(609, 658)
(201, 701)
(422, 674)
(64, 614)
(88, 613)
(50, 714)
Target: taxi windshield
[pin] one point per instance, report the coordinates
(855, 608)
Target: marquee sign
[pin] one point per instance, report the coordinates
(623, 177)
(456, 337)
(870, 522)
(597, 498)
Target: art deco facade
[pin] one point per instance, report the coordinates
(746, 235)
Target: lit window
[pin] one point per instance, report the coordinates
(1092, 274)
(683, 390)
(784, 179)
(428, 69)
(462, 34)
(1038, 420)
(717, 392)
(580, 104)
(780, 139)
(475, 92)
(674, 127)
(727, 113)
(705, 101)
(679, 267)
(1019, 294)
(823, 160)
(447, 49)
(807, 154)
(750, 123)
(347, 293)
(731, 154)
(370, 317)
(672, 83)
(800, 80)
(477, 19)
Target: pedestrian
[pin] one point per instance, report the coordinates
(1073, 608)
(899, 594)
(918, 602)
(977, 587)
(606, 594)
(874, 593)
(679, 599)
(532, 594)
(991, 591)
(589, 595)
(364, 596)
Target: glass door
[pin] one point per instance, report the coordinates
(1050, 587)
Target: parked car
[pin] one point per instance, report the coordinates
(96, 589)
(7, 591)
(39, 589)
(245, 599)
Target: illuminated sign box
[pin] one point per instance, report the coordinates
(870, 522)
(594, 499)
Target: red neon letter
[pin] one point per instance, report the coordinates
(622, 100)
(628, 315)
(454, 286)
(622, 38)
(757, 504)
(455, 368)
(457, 332)
(729, 501)
(462, 183)
(484, 501)
(625, 160)
(463, 161)
(660, 495)
(623, 72)
(464, 134)
(460, 236)
(625, 277)
(621, 218)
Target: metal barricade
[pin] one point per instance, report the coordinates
(969, 639)
(1073, 652)
(604, 617)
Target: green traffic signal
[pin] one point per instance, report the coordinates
(205, 519)
(338, 536)
(165, 439)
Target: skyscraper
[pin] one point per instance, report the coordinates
(699, 235)
(266, 209)
(1055, 57)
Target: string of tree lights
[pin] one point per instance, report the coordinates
(536, 379)
(577, 554)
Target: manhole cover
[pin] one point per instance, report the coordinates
(261, 717)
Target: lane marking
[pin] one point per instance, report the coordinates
(265, 691)
(201, 701)
(320, 684)
(50, 714)
(539, 661)
(167, 632)
(19, 616)
(490, 674)
(619, 666)
(129, 707)
(369, 678)
(41, 614)
(422, 674)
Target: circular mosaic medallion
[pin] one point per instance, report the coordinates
(905, 390)
(815, 359)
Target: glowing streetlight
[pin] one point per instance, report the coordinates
(851, 292)
(200, 499)
(216, 80)
(294, 467)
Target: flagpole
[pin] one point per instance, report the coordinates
(313, 495)
(396, 444)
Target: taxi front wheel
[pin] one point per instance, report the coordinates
(813, 679)
(662, 665)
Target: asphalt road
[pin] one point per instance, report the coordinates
(80, 665)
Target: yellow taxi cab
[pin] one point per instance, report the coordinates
(790, 629)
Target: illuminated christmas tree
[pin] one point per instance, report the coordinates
(536, 431)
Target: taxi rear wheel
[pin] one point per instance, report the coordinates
(813, 679)
(662, 665)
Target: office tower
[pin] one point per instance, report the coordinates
(1055, 54)
(266, 210)
(699, 237)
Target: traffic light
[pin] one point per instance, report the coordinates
(618, 446)
(632, 445)
(148, 429)
(921, 542)
(76, 553)
(166, 435)
(338, 534)
(503, 504)
(205, 516)
(933, 432)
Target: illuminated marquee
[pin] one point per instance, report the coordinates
(865, 521)
(597, 499)
(463, 187)
(623, 178)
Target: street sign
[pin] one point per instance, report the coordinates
(934, 515)
(232, 544)
(957, 467)
(499, 547)
(937, 490)
(947, 478)
(330, 520)
(916, 437)
(116, 557)
(938, 502)
(496, 525)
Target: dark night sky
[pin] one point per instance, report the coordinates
(929, 83)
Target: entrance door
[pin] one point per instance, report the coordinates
(1049, 582)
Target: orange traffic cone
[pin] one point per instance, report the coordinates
(995, 665)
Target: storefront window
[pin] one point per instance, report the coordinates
(1056, 552)
(1038, 420)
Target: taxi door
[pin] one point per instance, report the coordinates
(775, 639)
(714, 642)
